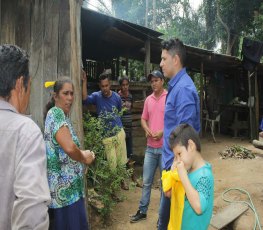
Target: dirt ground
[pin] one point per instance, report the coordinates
(245, 174)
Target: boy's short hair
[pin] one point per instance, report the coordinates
(104, 76)
(182, 134)
(125, 78)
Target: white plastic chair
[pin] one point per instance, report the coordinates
(212, 123)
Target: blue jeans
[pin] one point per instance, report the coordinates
(152, 159)
(164, 212)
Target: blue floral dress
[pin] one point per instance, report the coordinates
(65, 176)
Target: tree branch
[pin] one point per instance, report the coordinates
(228, 51)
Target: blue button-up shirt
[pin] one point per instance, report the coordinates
(182, 106)
(107, 108)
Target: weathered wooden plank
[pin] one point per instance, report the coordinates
(8, 21)
(227, 215)
(147, 61)
(256, 102)
(64, 39)
(75, 65)
(36, 61)
(0, 20)
(50, 49)
(22, 28)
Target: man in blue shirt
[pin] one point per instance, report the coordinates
(182, 106)
(108, 105)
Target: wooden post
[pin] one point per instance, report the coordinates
(0, 20)
(118, 67)
(147, 60)
(201, 97)
(127, 65)
(251, 104)
(8, 20)
(22, 30)
(75, 65)
(36, 62)
(256, 104)
(50, 46)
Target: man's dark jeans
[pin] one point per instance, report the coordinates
(164, 212)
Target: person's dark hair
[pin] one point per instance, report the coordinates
(175, 47)
(182, 134)
(14, 63)
(56, 89)
(104, 76)
(124, 79)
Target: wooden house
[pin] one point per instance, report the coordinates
(51, 33)
(60, 36)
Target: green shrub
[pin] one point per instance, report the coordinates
(105, 180)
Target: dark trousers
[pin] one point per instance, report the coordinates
(164, 212)
(128, 140)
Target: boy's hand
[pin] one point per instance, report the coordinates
(180, 166)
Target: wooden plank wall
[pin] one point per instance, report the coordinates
(50, 31)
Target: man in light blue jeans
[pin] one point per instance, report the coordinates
(152, 122)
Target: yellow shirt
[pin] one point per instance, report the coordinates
(172, 181)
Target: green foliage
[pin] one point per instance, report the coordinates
(237, 15)
(201, 27)
(238, 152)
(105, 180)
(197, 81)
(257, 29)
(132, 11)
(136, 69)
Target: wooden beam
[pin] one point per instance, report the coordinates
(75, 66)
(50, 47)
(228, 214)
(256, 103)
(36, 62)
(147, 57)
(8, 21)
(118, 66)
(201, 96)
(127, 65)
(64, 39)
(0, 20)
(251, 105)
(22, 28)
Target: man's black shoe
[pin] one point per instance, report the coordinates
(138, 216)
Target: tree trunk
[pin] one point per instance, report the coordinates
(154, 14)
(230, 41)
(146, 13)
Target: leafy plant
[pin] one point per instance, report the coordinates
(236, 151)
(105, 180)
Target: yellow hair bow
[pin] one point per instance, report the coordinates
(49, 83)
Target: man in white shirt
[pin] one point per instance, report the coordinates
(23, 177)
